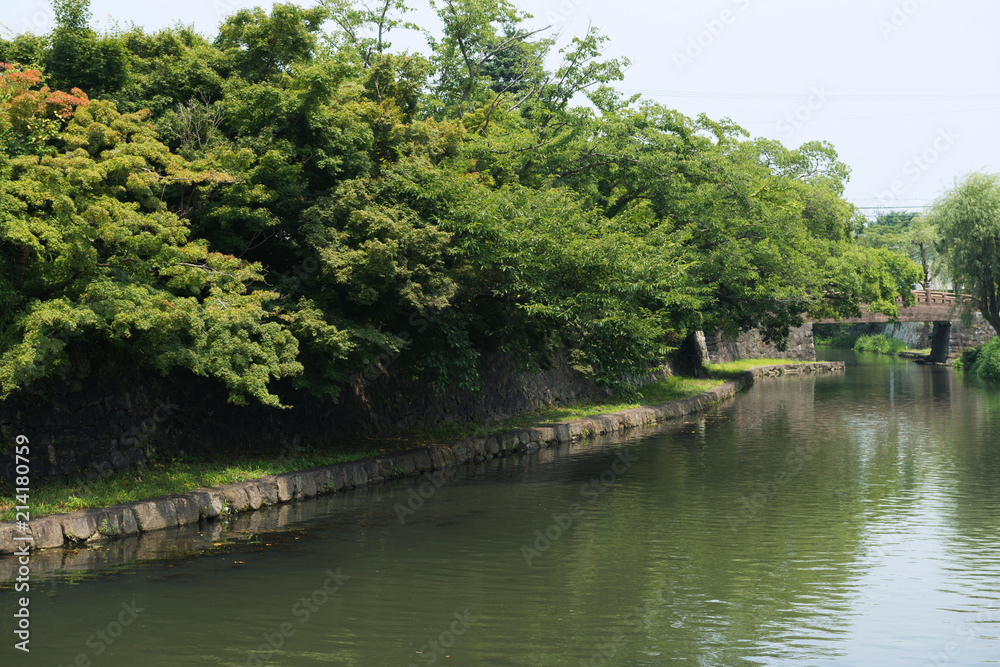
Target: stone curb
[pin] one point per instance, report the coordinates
(88, 526)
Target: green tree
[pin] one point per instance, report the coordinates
(476, 33)
(26, 50)
(767, 235)
(515, 70)
(269, 201)
(72, 14)
(169, 68)
(78, 57)
(364, 27)
(968, 217)
(910, 234)
(93, 253)
(258, 45)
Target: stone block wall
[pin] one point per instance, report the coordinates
(916, 334)
(104, 416)
(751, 345)
(91, 420)
(97, 418)
(962, 336)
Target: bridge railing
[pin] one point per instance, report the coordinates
(931, 305)
(937, 298)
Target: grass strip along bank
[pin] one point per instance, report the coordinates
(162, 478)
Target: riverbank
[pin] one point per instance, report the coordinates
(95, 526)
(173, 475)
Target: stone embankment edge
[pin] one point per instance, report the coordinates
(92, 526)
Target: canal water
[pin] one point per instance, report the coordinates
(847, 519)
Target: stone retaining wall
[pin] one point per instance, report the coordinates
(750, 345)
(978, 332)
(102, 415)
(93, 526)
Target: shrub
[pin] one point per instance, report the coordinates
(844, 336)
(880, 343)
(836, 335)
(969, 357)
(844, 340)
(987, 360)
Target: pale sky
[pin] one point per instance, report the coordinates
(908, 91)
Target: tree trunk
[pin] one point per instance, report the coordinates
(927, 269)
(989, 306)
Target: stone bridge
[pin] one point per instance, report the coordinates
(939, 308)
(931, 306)
(948, 336)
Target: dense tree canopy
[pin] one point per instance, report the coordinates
(292, 198)
(94, 252)
(913, 235)
(968, 217)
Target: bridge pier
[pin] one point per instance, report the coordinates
(940, 342)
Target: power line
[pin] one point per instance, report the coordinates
(899, 115)
(898, 97)
(883, 208)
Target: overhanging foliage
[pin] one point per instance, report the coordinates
(294, 200)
